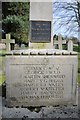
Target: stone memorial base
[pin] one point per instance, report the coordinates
(41, 77)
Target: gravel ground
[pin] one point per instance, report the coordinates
(43, 112)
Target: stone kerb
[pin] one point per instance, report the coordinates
(41, 52)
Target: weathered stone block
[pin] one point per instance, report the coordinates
(41, 80)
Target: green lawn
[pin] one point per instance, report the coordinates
(2, 79)
(79, 60)
(2, 76)
(79, 78)
(79, 68)
(2, 52)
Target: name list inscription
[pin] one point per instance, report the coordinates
(41, 81)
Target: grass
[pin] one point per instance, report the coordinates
(2, 79)
(2, 52)
(79, 78)
(79, 68)
(38, 45)
(76, 48)
(2, 76)
(79, 60)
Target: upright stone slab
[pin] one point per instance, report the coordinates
(41, 35)
(60, 41)
(70, 45)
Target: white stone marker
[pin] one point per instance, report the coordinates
(70, 45)
(60, 42)
(8, 41)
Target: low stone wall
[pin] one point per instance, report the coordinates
(41, 77)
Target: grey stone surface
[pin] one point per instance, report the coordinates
(2, 46)
(23, 46)
(43, 51)
(0, 106)
(42, 10)
(36, 80)
(45, 112)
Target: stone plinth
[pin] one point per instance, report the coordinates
(41, 33)
(41, 77)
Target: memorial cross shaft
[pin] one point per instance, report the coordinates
(41, 35)
(8, 41)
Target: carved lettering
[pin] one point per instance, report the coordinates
(40, 31)
(42, 82)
